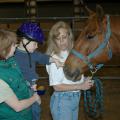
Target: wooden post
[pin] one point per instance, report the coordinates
(78, 12)
(79, 8)
(76, 8)
(31, 9)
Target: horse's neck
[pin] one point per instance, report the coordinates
(115, 43)
(115, 37)
(115, 24)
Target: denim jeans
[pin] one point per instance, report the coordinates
(36, 111)
(65, 105)
(36, 108)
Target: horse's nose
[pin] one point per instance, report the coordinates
(76, 74)
(67, 72)
(71, 74)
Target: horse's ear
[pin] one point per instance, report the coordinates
(99, 12)
(90, 12)
(86, 9)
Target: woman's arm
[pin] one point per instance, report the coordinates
(87, 84)
(19, 105)
(56, 77)
(8, 96)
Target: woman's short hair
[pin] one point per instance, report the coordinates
(7, 38)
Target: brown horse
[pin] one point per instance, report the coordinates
(96, 43)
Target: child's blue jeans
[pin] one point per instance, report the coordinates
(65, 105)
(36, 111)
(36, 108)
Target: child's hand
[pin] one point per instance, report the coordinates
(37, 97)
(57, 62)
(34, 87)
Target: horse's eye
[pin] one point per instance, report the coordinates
(90, 36)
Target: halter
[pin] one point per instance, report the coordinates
(99, 50)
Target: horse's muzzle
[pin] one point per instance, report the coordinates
(72, 75)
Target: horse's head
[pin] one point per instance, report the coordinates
(90, 48)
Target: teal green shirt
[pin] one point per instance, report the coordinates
(11, 74)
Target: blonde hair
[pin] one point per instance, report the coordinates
(7, 38)
(54, 33)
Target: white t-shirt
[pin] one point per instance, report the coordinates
(56, 75)
(5, 91)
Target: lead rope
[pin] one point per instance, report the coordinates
(93, 99)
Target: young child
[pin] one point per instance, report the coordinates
(64, 102)
(30, 34)
(15, 100)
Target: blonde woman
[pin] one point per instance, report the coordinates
(64, 102)
(15, 100)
